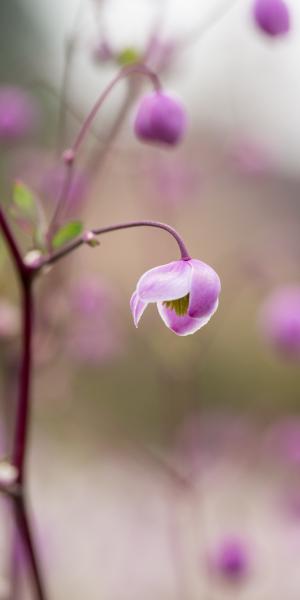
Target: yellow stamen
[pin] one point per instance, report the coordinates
(180, 305)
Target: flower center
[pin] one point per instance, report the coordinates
(180, 305)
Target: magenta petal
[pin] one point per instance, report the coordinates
(184, 325)
(167, 282)
(137, 307)
(205, 290)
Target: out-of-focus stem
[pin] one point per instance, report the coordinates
(69, 54)
(70, 154)
(138, 69)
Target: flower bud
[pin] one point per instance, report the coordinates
(272, 16)
(160, 118)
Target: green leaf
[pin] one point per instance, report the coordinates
(128, 56)
(67, 233)
(24, 201)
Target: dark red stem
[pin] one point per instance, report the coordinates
(22, 522)
(22, 419)
(18, 492)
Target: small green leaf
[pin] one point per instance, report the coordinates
(128, 56)
(67, 233)
(24, 201)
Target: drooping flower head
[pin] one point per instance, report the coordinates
(186, 293)
(18, 113)
(160, 118)
(272, 17)
(280, 320)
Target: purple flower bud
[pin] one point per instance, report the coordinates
(18, 113)
(272, 16)
(230, 559)
(160, 118)
(280, 320)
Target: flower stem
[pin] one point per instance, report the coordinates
(139, 69)
(70, 154)
(18, 492)
(21, 431)
(84, 239)
(24, 529)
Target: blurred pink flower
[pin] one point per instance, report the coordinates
(283, 440)
(186, 293)
(52, 182)
(230, 559)
(176, 181)
(272, 17)
(18, 113)
(250, 158)
(280, 320)
(94, 333)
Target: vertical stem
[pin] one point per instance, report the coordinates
(24, 529)
(23, 408)
(21, 431)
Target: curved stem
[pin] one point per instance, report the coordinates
(86, 238)
(140, 69)
(71, 153)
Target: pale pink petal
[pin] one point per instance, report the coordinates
(167, 282)
(205, 290)
(137, 307)
(181, 325)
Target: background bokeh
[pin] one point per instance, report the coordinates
(150, 452)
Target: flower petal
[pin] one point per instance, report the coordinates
(167, 282)
(137, 307)
(205, 290)
(181, 325)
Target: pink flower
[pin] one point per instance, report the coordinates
(186, 293)
(18, 113)
(280, 320)
(231, 559)
(160, 118)
(272, 16)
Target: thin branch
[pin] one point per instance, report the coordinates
(87, 236)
